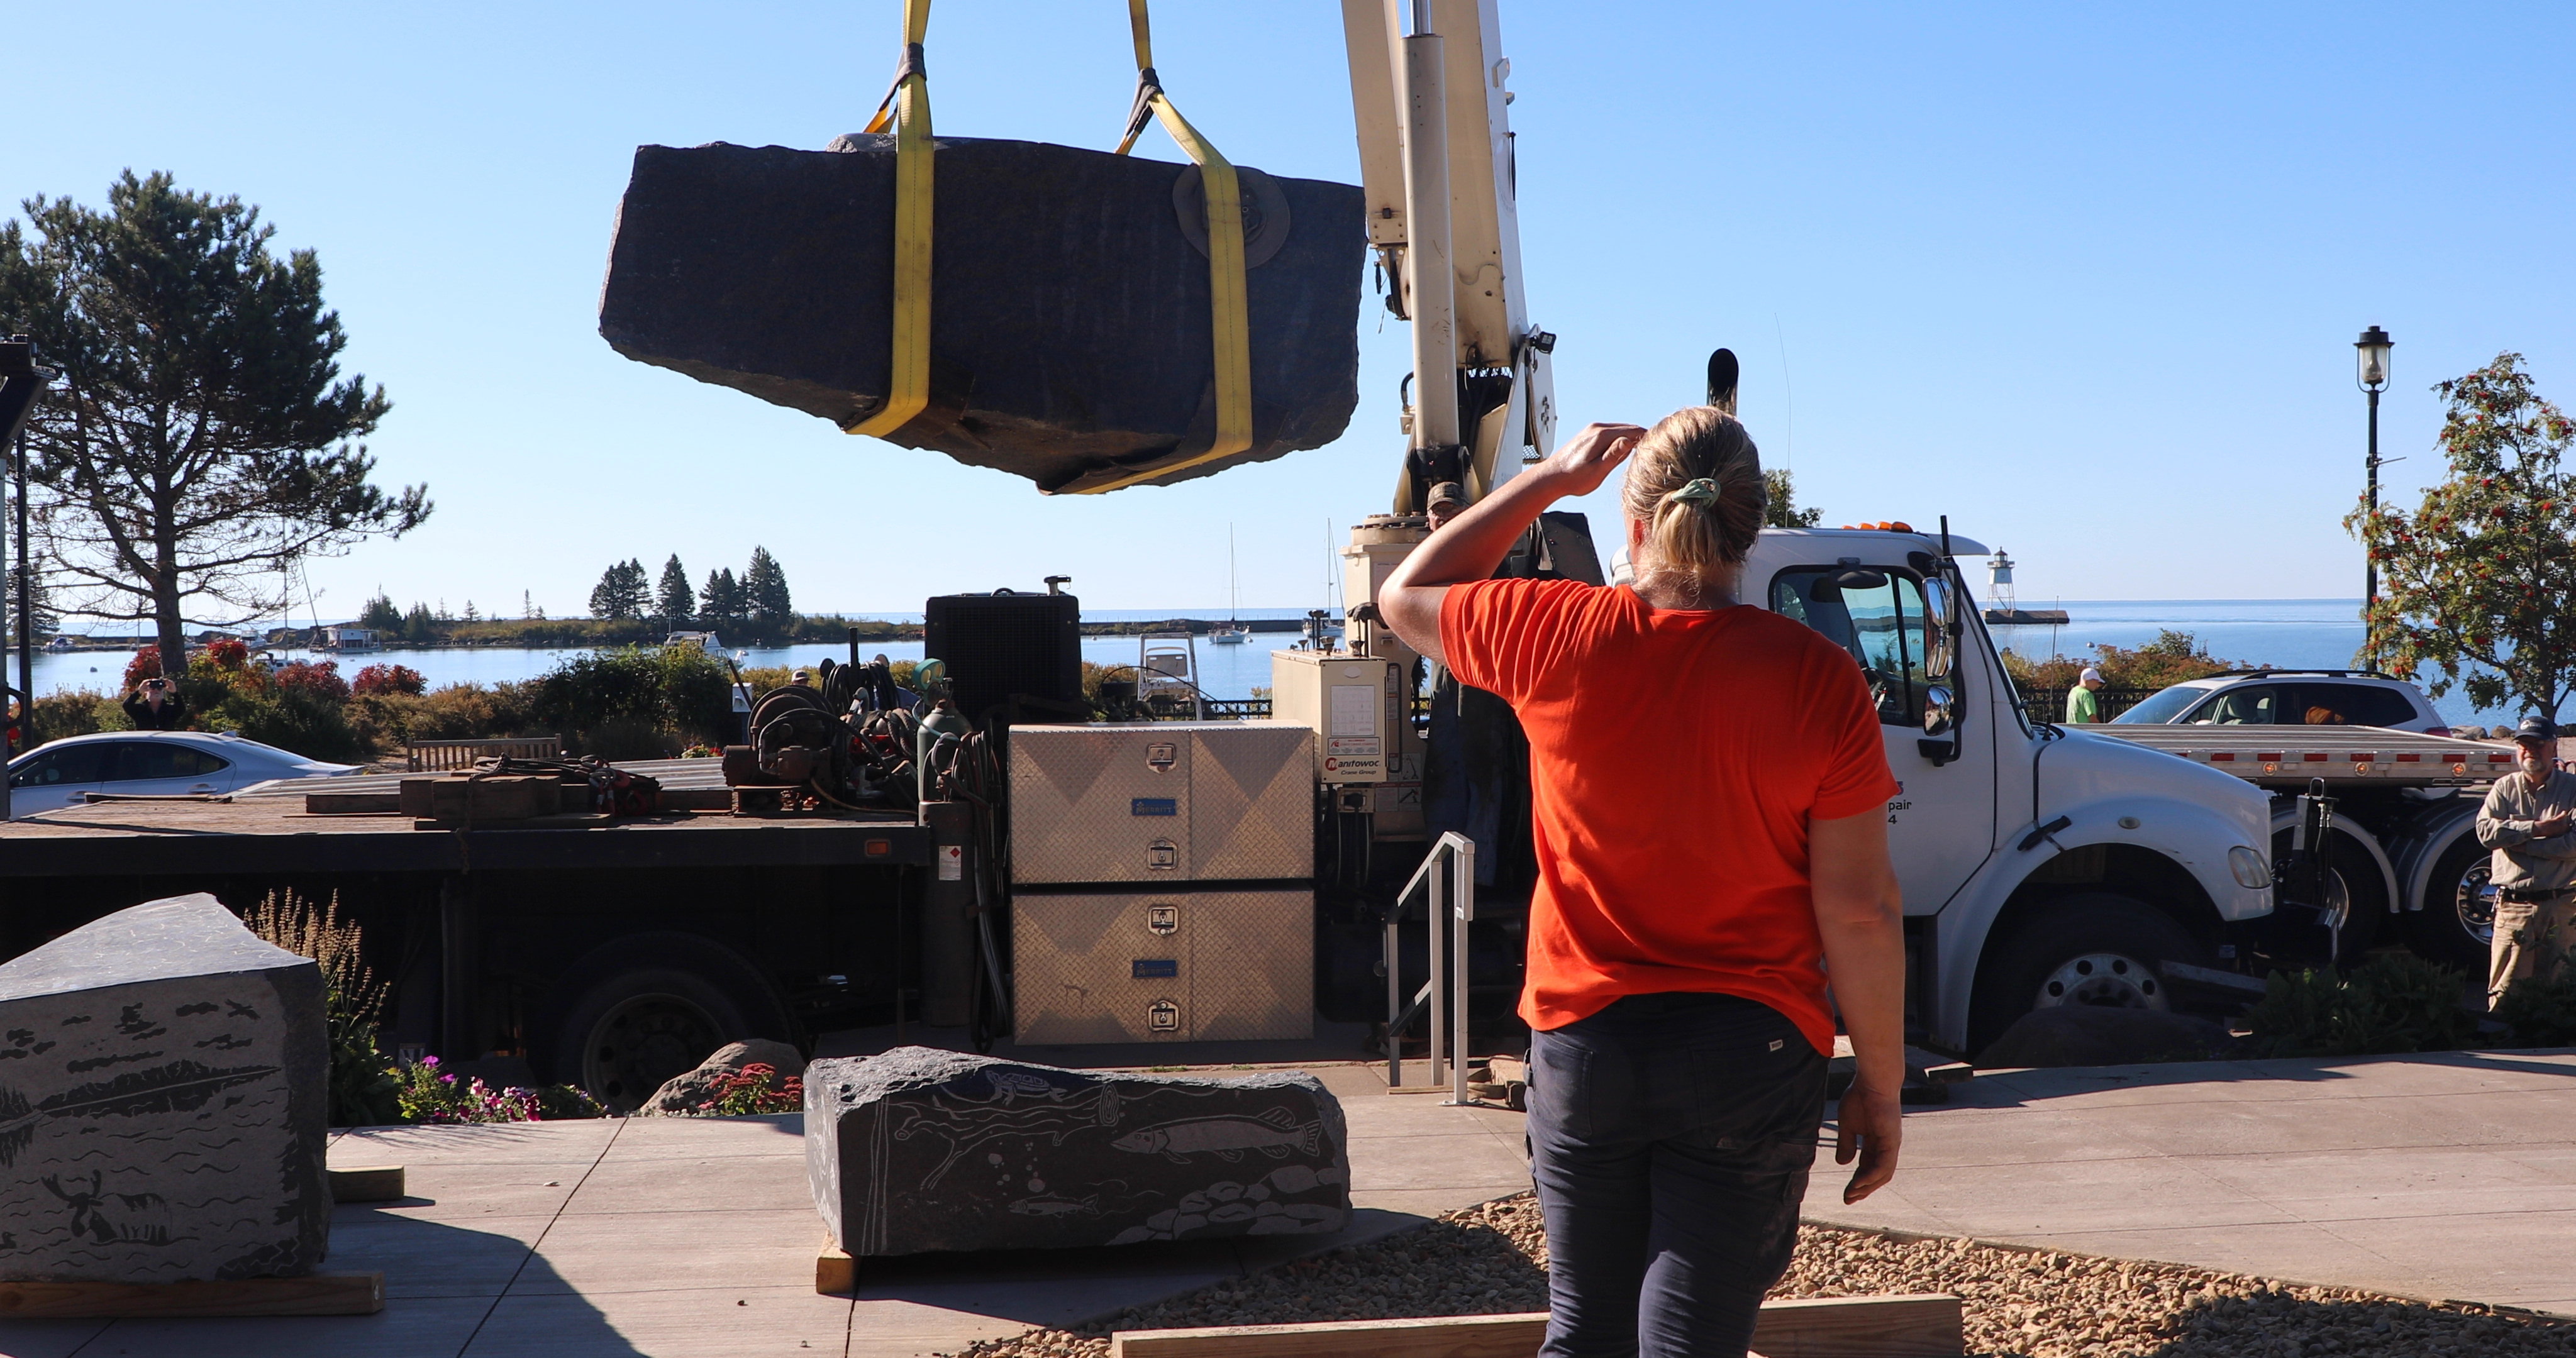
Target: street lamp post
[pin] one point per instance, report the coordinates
(2371, 359)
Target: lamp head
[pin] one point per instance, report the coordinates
(2371, 356)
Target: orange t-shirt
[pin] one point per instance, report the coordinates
(1675, 759)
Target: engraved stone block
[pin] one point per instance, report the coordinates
(162, 1103)
(921, 1150)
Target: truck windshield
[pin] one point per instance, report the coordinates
(2164, 706)
(1882, 628)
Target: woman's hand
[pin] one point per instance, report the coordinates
(1586, 459)
(1868, 1125)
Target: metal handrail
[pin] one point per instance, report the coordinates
(1459, 854)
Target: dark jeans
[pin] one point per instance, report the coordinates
(1670, 1136)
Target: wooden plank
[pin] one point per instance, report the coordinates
(835, 1270)
(1930, 1326)
(351, 803)
(320, 1294)
(1829, 1327)
(367, 1183)
(1507, 1336)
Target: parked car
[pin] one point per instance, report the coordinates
(2291, 698)
(150, 763)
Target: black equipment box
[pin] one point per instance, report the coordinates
(1000, 644)
(1070, 325)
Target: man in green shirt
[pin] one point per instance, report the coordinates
(2081, 705)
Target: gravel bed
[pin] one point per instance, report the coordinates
(2020, 1303)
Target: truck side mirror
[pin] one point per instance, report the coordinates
(1937, 718)
(1938, 627)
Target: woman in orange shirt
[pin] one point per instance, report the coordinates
(1708, 789)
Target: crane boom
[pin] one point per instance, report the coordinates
(1453, 145)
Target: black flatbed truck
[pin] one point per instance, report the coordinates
(606, 955)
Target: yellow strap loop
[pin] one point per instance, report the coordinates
(907, 108)
(1228, 307)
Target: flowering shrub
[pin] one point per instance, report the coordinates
(757, 1089)
(380, 679)
(320, 679)
(429, 1094)
(230, 653)
(146, 664)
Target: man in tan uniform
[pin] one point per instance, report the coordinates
(2526, 820)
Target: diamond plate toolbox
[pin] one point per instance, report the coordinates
(1100, 803)
(1163, 967)
(1162, 801)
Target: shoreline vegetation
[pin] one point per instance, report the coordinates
(553, 634)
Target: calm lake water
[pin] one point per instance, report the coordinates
(2315, 633)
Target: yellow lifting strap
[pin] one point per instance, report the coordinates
(1228, 308)
(907, 107)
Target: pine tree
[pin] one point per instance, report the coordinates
(419, 625)
(676, 600)
(470, 614)
(381, 613)
(528, 604)
(721, 601)
(764, 591)
(622, 592)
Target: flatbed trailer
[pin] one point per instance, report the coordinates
(2404, 829)
(596, 953)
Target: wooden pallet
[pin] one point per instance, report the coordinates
(1832, 1327)
(320, 1294)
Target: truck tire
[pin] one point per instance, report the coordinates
(647, 1007)
(2361, 892)
(2457, 924)
(2095, 947)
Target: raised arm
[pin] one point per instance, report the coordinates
(1862, 917)
(1469, 547)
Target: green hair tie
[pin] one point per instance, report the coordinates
(1700, 492)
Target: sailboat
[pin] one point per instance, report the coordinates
(1234, 633)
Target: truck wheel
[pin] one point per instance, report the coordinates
(651, 1006)
(2356, 892)
(2091, 948)
(2457, 924)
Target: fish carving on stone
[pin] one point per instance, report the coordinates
(1273, 1132)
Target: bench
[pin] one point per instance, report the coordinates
(441, 756)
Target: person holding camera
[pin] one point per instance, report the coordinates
(155, 705)
(1709, 796)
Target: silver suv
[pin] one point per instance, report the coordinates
(2292, 698)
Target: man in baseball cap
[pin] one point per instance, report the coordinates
(2081, 706)
(2525, 822)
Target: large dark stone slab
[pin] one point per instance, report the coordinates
(1069, 306)
(162, 1103)
(921, 1150)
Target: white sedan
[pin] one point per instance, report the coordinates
(150, 763)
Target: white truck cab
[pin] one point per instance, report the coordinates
(2040, 864)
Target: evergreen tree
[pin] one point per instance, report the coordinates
(764, 591)
(419, 625)
(203, 435)
(528, 604)
(622, 593)
(381, 613)
(1783, 511)
(721, 600)
(470, 614)
(676, 600)
(42, 619)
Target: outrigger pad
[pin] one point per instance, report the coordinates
(162, 1103)
(921, 1150)
(1070, 326)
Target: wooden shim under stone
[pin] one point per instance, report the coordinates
(320, 1294)
(1829, 1327)
(919, 1150)
(367, 1183)
(162, 1107)
(1070, 326)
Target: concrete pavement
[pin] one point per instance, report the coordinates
(2448, 1175)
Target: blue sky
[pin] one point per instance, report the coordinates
(2083, 278)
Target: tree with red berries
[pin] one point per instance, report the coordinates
(2479, 583)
